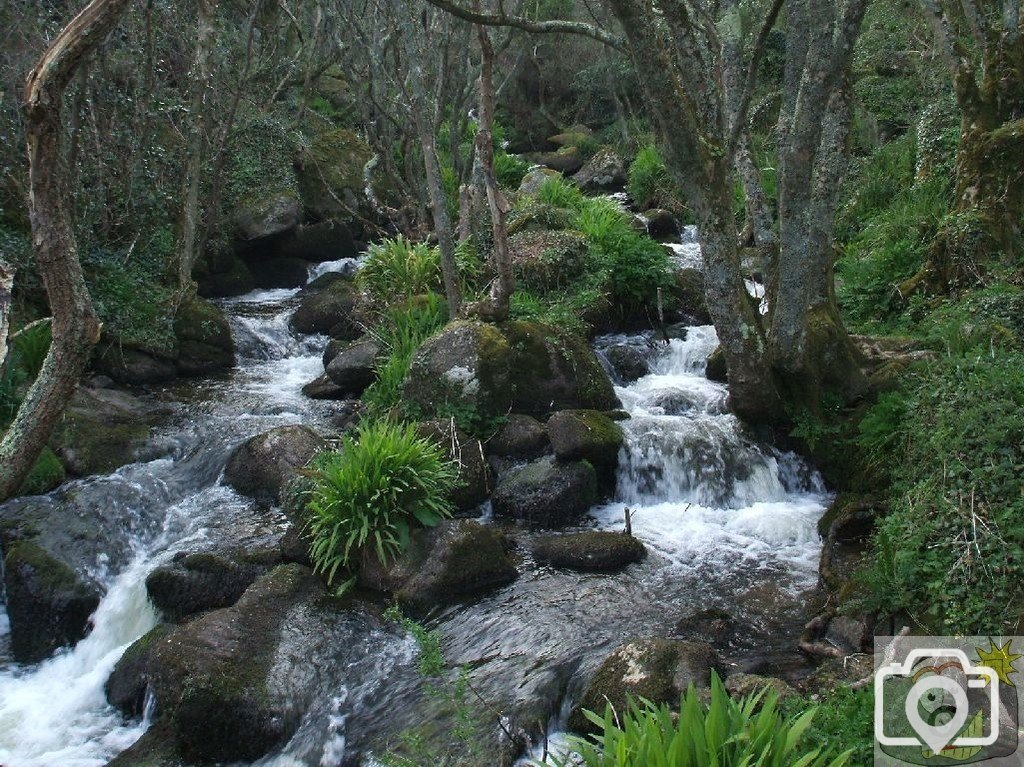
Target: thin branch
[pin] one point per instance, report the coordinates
(748, 85)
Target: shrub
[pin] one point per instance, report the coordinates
(509, 169)
(401, 331)
(723, 733)
(372, 491)
(648, 177)
(396, 269)
(844, 722)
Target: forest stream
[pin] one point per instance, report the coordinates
(729, 524)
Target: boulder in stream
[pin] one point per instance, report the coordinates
(354, 367)
(48, 604)
(442, 565)
(603, 173)
(331, 311)
(586, 435)
(591, 550)
(658, 670)
(204, 338)
(474, 475)
(546, 492)
(263, 465)
(521, 436)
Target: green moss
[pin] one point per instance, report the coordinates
(50, 573)
(259, 163)
(47, 473)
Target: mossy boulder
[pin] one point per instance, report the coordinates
(331, 310)
(330, 173)
(354, 367)
(204, 338)
(467, 453)
(442, 565)
(716, 369)
(547, 260)
(546, 492)
(46, 474)
(101, 430)
(201, 581)
(212, 676)
(126, 686)
(535, 178)
(850, 519)
(48, 603)
(742, 685)
(265, 215)
(521, 436)
(323, 241)
(662, 225)
(629, 360)
(586, 435)
(603, 173)
(130, 364)
(592, 550)
(686, 298)
(263, 465)
(567, 160)
(531, 215)
(574, 135)
(657, 670)
(279, 272)
(226, 277)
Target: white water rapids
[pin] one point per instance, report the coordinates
(722, 516)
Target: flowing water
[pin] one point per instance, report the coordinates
(729, 523)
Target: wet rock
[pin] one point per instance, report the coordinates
(711, 625)
(102, 429)
(662, 225)
(281, 272)
(850, 519)
(322, 387)
(603, 173)
(201, 581)
(686, 299)
(574, 135)
(333, 349)
(46, 474)
(213, 676)
(330, 311)
(535, 178)
(48, 604)
(567, 160)
(126, 687)
(324, 241)
(133, 366)
(354, 368)
(547, 260)
(468, 454)
(546, 493)
(295, 545)
(521, 436)
(743, 685)
(204, 338)
(716, 369)
(658, 670)
(593, 550)
(850, 633)
(264, 464)
(266, 216)
(629, 361)
(233, 279)
(442, 565)
(586, 435)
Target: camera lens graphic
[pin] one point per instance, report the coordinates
(945, 704)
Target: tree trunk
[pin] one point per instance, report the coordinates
(442, 221)
(188, 220)
(504, 283)
(6, 298)
(76, 328)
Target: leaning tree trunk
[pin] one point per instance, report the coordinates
(442, 221)
(76, 329)
(504, 280)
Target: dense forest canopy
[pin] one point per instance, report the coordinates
(646, 273)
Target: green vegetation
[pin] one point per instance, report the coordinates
(401, 331)
(843, 723)
(723, 733)
(431, 663)
(648, 178)
(370, 493)
(397, 268)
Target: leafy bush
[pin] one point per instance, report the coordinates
(648, 178)
(401, 331)
(372, 491)
(509, 169)
(843, 722)
(397, 268)
(950, 550)
(724, 733)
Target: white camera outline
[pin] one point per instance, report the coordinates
(903, 669)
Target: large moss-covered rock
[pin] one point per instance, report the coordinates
(323, 241)
(535, 178)
(102, 429)
(126, 686)
(129, 364)
(546, 492)
(48, 604)
(467, 453)
(547, 260)
(279, 272)
(212, 676)
(204, 338)
(521, 436)
(354, 368)
(262, 216)
(442, 565)
(586, 435)
(196, 582)
(686, 297)
(567, 160)
(230, 277)
(262, 466)
(603, 173)
(523, 367)
(331, 310)
(330, 173)
(657, 670)
(592, 550)
(46, 474)
(261, 193)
